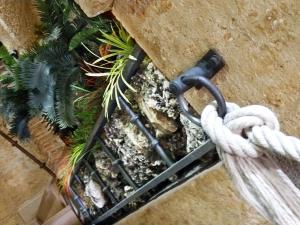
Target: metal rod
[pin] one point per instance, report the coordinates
(78, 179)
(76, 200)
(129, 71)
(179, 165)
(153, 141)
(118, 163)
(174, 167)
(42, 165)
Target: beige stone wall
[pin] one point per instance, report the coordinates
(93, 8)
(51, 146)
(18, 20)
(259, 40)
(20, 180)
(207, 199)
(260, 43)
(46, 146)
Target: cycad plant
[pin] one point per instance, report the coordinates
(119, 52)
(13, 102)
(40, 83)
(47, 75)
(66, 16)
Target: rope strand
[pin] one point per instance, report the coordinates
(246, 140)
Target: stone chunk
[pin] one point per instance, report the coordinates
(162, 123)
(93, 8)
(18, 22)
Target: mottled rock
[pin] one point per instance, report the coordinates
(163, 125)
(93, 8)
(94, 192)
(133, 148)
(259, 41)
(153, 87)
(195, 135)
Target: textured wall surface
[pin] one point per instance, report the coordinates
(94, 7)
(18, 20)
(259, 40)
(207, 199)
(43, 144)
(20, 180)
(51, 146)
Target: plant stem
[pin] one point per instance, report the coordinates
(80, 88)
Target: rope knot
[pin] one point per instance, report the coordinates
(242, 120)
(241, 137)
(247, 131)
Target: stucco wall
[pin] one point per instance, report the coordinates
(18, 21)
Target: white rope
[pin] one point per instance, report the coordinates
(247, 139)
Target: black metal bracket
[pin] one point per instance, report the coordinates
(199, 76)
(175, 169)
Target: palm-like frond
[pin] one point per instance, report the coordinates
(47, 76)
(51, 14)
(64, 107)
(34, 75)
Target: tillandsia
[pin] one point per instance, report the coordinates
(112, 64)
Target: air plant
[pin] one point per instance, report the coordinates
(121, 47)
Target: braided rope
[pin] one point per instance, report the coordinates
(246, 140)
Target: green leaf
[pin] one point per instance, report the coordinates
(81, 36)
(64, 105)
(7, 58)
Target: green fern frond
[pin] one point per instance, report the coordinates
(6, 78)
(50, 14)
(47, 75)
(64, 107)
(34, 75)
(7, 58)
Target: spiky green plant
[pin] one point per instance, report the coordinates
(48, 76)
(40, 83)
(13, 102)
(87, 113)
(8, 60)
(13, 108)
(81, 36)
(120, 52)
(68, 17)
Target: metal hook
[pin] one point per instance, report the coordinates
(198, 77)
